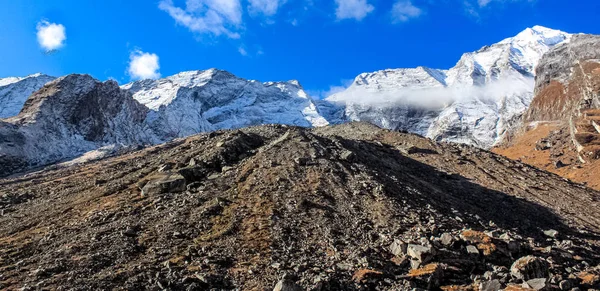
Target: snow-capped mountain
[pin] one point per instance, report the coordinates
(200, 101)
(15, 90)
(476, 102)
(68, 117)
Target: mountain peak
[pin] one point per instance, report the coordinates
(539, 34)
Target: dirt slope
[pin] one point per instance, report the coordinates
(350, 207)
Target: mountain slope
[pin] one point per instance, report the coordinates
(350, 207)
(68, 117)
(14, 92)
(476, 102)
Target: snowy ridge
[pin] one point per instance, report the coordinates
(475, 102)
(15, 90)
(200, 101)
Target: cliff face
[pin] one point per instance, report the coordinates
(561, 128)
(568, 80)
(70, 116)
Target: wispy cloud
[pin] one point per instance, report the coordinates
(143, 65)
(404, 10)
(353, 9)
(51, 36)
(264, 7)
(216, 17)
(333, 89)
(243, 51)
(437, 98)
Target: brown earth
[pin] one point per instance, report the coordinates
(350, 207)
(523, 149)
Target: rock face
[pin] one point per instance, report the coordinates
(278, 206)
(68, 117)
(568, 80)
(201, 101)
(476, 102)
(561, 131)
(15, 91)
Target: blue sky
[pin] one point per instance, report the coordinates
(321, 43)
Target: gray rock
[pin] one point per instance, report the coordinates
(398, 248)
(472, 250)
(493, 285)
(446, 239)
(565, 285)
(287, 285)
(167, 183)
(537, 284)
(419, 253)
(347, 156)
(529, 267)
(551, 233)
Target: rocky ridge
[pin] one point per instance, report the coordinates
(349, 207)
(68, 117)
(560, 129)
(15, 91)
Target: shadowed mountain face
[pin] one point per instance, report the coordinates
(349, 207)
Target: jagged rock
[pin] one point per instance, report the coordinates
(551, 233)
(167, 183)
(493, 285)
(399, 248)
(419, 253)
(537, 284)
(472, 250)
(446, 239)
(529, 267)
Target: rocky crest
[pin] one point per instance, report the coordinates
(68, 117)
(568, 80)
(201, 101)
(561, 131)
(349, 207)
(15, 91)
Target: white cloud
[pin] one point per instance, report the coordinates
(264, 7)
(143, 65)
(216, 17)
(51, 36)
(353, 9)
(404, 10)
(437, 98)
(243, 51)
(483, 3)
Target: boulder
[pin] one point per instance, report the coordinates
(166, 183)
(419, 253)
(529, 267)
(398, 248)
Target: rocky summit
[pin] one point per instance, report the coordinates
(347, 207)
